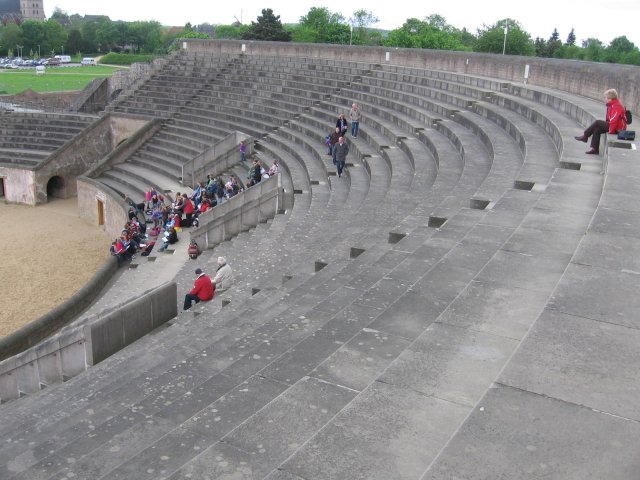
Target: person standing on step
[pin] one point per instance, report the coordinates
(189, 210)
(615, 120)
(355, 117)
(203, 290)
(341, 149)
(335, 136)
(224, 275)
(243, 151)
(342, 124)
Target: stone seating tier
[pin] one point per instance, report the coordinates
(378, 334)
(27, 158)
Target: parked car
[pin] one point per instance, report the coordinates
(52, 62)
(88, 61)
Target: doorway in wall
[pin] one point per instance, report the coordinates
(100, 212)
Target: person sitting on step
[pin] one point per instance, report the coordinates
(615, 120)
(170, 237)
(224, 275)
(203, 290)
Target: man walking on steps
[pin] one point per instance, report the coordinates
(341, 149)
(202, 291)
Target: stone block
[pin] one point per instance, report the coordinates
(106, 336)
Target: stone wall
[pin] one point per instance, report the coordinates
(114, 209)
(93, 98)
(77, 347)
(19, 185)
(589, 79)
(255, 205)
(85, 151)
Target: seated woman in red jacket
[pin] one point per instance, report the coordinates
(203, 290)
(615, 120)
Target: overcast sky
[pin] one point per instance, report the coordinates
(589, 18)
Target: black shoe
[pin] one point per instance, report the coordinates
(581, 138)
(593, 151)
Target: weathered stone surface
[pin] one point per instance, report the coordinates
(451, 363)
(495, 308)
(580, 361)
(519, 434)
(588, 292)
(387, 432)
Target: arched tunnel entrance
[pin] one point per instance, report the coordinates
(56, 187)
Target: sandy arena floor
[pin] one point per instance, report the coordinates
(47, 254)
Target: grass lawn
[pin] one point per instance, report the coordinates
(55, 79)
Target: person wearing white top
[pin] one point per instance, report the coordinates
(224, 275)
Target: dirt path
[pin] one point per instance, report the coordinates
(47, 253)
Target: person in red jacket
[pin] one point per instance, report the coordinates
(203, 290)
(189, 209)
(616, 120)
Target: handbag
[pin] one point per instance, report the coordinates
(626, 135)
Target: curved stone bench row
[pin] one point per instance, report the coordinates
(28, 158)
(239, 360)
(193, 365)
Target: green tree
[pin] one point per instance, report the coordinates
(553, 43)
(74, 41)
(440, 23)
(631, 58)
(11, 36)
(491, 39)
(146, 36)
(193, 34)
(569, 52)
(106, 35)
(540, 46)
(320, 25)
(416, 33)
(55, 35)
(33, 34)
(571, 39)
(303, 34)
(593, 50)
(268, 27)
(89, 36)
(122, 34)
(361, 22)
(234, 31)
(467, 39)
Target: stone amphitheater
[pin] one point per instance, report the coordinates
(460, 305)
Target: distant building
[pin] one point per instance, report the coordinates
(22, 10)
(32, 9)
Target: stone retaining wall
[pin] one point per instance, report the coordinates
(48, 324)
(240, 213)
(75, 349)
